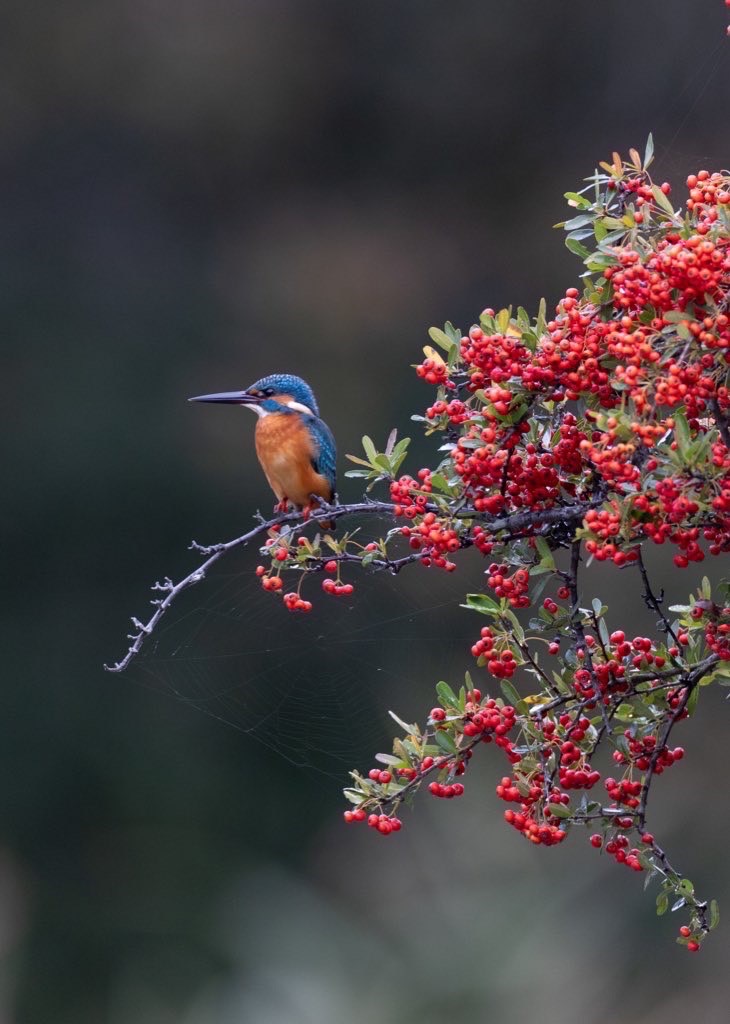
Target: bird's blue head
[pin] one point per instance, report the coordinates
(278, 392)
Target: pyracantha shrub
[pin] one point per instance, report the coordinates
(591, 434)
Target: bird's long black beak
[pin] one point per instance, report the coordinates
(231, 397)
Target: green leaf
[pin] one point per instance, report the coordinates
(624, 713)
(517, 630)
(662, 903)
(503, 319)
(452, 333)
(578, 222)
(446, 695)
(603, 633)
(546, 555)
(649, 151)
(438, 337)
(440, 483)
(577, 200)
(482, 603)
(577, 248)
(404, 725)
(560, 810)
(714, 914)
(369, 448)
(445, 742)
(510, 693)
(388, 759)
(681, 431)
(661, 200)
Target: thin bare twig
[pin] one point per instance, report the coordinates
(298, 521)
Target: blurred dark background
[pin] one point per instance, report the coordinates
(194, 194)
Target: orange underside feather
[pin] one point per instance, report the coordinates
(285, 449)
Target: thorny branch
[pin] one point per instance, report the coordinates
(297, 521)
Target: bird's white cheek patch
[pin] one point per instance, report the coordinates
(300, 407)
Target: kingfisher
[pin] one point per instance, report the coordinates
(295, 447)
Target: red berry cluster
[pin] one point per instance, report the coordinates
(435, 539)
(513, 586)
(433, 371)
(410, 496)
(501, 664)
(294, 603)
(717, 634)
(618, 848)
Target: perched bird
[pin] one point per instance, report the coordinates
(295, 447)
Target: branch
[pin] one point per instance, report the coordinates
(519, 521)
(721, 422)
(652, 601)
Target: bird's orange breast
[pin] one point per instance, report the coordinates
(285, 450)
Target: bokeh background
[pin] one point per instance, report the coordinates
(194, 194)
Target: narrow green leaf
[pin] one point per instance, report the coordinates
(369, 448)
(404, 725)
(510, 693)
(517, 629)
(388, 759)
(560, 810)
(603, 633)
(578, 222)
(661, 200)
(649, 151)
(681, 431)
(714, 914)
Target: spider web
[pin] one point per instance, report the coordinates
(315, 688)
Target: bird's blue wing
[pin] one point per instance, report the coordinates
(325, 457)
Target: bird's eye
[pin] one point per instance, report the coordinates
(269, 392)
